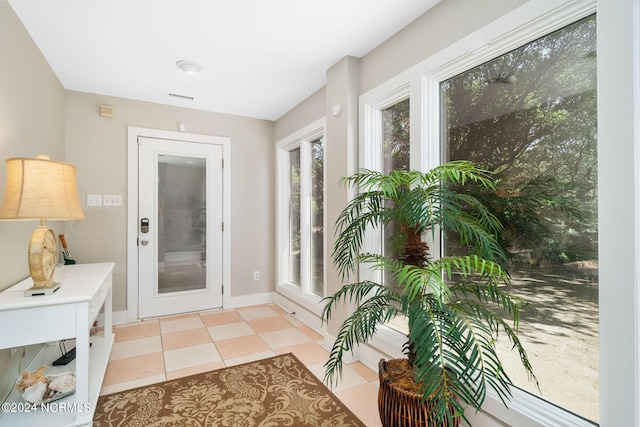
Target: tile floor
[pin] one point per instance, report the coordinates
(163, 349)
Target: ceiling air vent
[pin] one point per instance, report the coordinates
(185, 97)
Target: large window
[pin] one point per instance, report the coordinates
(530, 116)
(301, 217)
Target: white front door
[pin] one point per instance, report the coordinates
(180, 226)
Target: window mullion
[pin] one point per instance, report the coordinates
(305, 217)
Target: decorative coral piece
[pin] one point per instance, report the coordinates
(29, 380)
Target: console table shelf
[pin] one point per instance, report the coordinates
(67, 314)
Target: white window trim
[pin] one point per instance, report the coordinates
(534, 19)
(371, 157)
(298, 294)
(636, 73)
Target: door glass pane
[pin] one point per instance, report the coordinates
(530, 115)
(294, 217)
(182, 224)
(317, 212)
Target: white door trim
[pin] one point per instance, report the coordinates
(132, 209)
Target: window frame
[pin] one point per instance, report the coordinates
(371, 157)
(422, 82)
(302, 294)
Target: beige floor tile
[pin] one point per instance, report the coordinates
(180, 324)
(177, 317)
(128, 385)
(222, 318)
(130, 348)
(188, 357)
(309, 353)
(135, 323)
(187, 338)
(251, 307)
(268, 324)
(349, 377)
(232, 330)
(284, 337)
(279, 309)
(294, 321)
(195, 370)
(215, 311)
(257, 313)
(242, 346)
(310, 332)
(362, 400)
(249, 358)
(133, 368)
(134, 331)
(364, 371)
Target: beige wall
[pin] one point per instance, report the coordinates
(308, 111)
(98, 148)
(31, 123)
(447, 22)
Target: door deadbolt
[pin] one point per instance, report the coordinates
(144, 225)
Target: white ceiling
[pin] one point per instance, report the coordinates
(260, 58)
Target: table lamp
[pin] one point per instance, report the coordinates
(41, 189)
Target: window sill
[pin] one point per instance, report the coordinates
(309, 301)
(524, 409)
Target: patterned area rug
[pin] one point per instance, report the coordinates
(279, 391)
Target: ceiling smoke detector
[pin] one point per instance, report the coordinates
(189, 67)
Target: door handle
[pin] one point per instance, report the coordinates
(144, 242)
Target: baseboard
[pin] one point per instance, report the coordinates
(365, 353)
(370, 356)
(252, 299)
(307, 317)
(117, 317)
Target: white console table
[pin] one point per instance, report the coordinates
(68, 313)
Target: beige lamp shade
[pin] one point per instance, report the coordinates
(40, 189)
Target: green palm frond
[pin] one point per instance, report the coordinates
(379, 307)
(456, 305)
(362, 213)
(423, 200)
(455, 359)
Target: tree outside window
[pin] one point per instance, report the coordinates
(530, 116)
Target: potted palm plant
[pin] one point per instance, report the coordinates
(455, 304)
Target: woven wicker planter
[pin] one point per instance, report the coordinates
(401, 408)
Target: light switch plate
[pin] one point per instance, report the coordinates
(94, 199)
(112, 199)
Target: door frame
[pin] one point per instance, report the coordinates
(132, 208)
